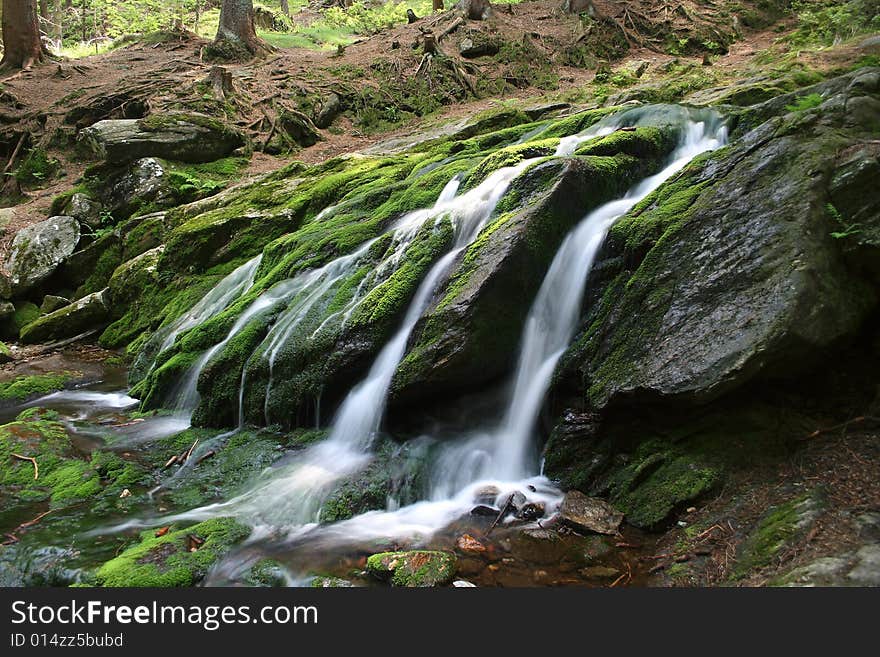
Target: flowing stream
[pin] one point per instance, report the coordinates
(287, 498)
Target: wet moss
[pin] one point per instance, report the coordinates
(170, 560)
(61, 476)
(23, 388)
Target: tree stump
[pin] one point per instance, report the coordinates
(411, 16)
(429, 43)
(220, 80)
(438, 5)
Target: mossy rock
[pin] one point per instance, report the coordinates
(62, 477)
(178, 558)
(418, 568)
(24, 388)
(776, 531)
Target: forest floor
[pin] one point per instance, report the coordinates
(545, 55)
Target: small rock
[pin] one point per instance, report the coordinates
(487, 495)
(463, 584)
(417, 568)
(125, 493)
(83, 209)
(691, 509)
(330, 108)
(51, 303)
(589, 513)
(322, 582)
(467, 543)
(483, 510)
(599, 572)
(531, 511)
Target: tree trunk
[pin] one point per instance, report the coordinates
(237, 26)
(475, 10)
(21, 34)
(579, 7)
(438, 5)
(285, 7)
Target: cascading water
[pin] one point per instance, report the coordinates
(289, 495)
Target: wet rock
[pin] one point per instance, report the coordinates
(752, 287)
(51, 303)
(471, 336)
(531, 511)
(181, 137)
(326, 582)
(535, 112)
(467, 543)
(171, 560)
(483, 510)
(487, 495)
(599, 572)
(90, 312)
(38, 250)
(133, 276)
(589, 514)
(418, 568)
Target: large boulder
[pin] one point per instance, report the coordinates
(180, 137)
(741, 267)
(88, 313)
(471, 334)
(38, 250)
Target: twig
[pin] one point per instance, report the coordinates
(501, 514)
(32, 460)
(189, 453)
(842, 425)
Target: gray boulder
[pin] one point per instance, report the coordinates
(471, 334)
(739, 269)
(83, 209)
(38, 250)
(88, 313)
(181, 137)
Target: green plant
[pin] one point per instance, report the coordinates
(805, 102)
(848, 228)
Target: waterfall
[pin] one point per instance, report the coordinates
(216, 300)
(290, 494)
(553, 318)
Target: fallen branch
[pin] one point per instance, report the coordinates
(189, 453)
(508, 505)
(32, 460)
(842, 425)
(451, 28)
(15, 152)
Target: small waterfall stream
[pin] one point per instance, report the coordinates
(288, 496)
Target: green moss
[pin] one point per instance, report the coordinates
(775, 531)
(167, 560)
(25, 313)
(62, 477)
(418, 568)
(805, 102)
(23, 388)
(659, 480)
